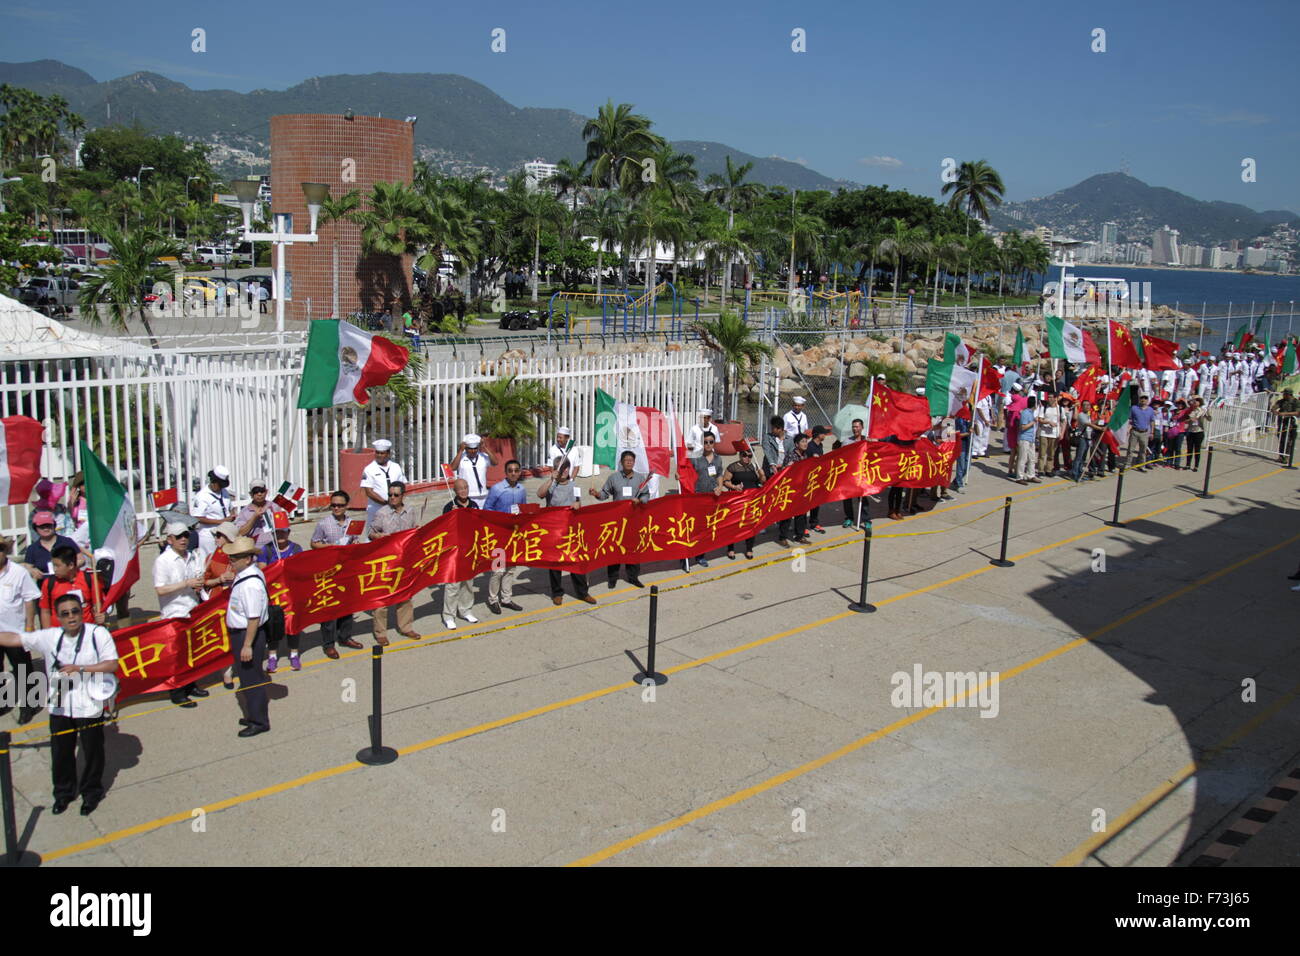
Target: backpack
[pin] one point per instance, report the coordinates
(275, 626)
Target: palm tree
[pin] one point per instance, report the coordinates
(392, 224)
(530, 211)
(735, 343)
(946, 249)
(508, 408)
(978, 186)
(617, 141)
(805, 231)
(654, 218)
(121, 286)
(1034, 259)
(867, 243)
(332, 213)
(605, 218)
(730, 191)
(901, 242)
(568, 179)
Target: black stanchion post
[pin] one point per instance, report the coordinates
(13, 855)
(1114, 521)
(650, 673)
(1209, 464)
(1001, 560)
(1290, 452)
(376, 754)
(861, 605)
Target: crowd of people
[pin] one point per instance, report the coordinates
(51, 602)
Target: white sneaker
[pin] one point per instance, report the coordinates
(469, 617)
(450, 623)
(1296, 588)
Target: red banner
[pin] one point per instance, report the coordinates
(327, 583)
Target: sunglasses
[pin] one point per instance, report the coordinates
(338, 504)
(42, 527)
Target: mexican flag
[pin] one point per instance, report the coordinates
(948, 386)
(1019, 354)
(21, 441)
(1116, 434)
(954, 349)
(1071, 343)
(289, 497)
(112, 524)
(1245, 334)
(342, 362)
(624, 427)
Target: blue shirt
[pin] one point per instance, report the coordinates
(1009, 377)
(502, 497)
(268, 555)
(1141, 418)
(1028, 425)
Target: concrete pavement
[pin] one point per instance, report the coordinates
(777, 738)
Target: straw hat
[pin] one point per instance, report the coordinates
(239, 547)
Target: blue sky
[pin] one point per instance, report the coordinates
(1183, 92)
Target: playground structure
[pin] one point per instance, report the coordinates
(619, 311)
(830, 308)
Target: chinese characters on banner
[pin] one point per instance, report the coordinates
(317, 586)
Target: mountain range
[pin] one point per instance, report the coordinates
(1137, 209)
(462, 125)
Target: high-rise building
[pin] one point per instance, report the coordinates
(1164, 247)
(1254, 257)
(1109, 234)
(537, 173)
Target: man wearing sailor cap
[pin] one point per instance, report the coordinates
(378, 475)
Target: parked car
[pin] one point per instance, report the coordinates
(50, 294)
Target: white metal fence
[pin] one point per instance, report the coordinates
(1245, 425)
(162, 420)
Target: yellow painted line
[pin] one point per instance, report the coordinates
(788, 775)
(523, 715)
(1094, 843)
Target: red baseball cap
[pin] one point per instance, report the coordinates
(43, 517)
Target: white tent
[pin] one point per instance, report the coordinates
(26, 333)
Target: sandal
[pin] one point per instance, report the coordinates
(731, 555)
(749, 555)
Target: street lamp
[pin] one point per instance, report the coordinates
(246, 192)
(188, 180)
(5, 181)
(139, 174)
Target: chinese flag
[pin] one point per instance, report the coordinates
(907, 417)
(990, 381)
(1085, 386)
(1124, 351)
(1159, 353)
(280, 519)
(169, 496)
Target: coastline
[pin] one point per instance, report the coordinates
(1226, 272)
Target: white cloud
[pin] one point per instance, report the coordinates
(882, 162)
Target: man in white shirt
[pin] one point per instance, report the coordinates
(1049, 433)
(18, 597)
(177, 579)
(74, 653)
(796, 419)
(378, 475)
(695, 434)
(560, 448)
(213, 505)
(1145, 379)
(472, 464)
(246, 617)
